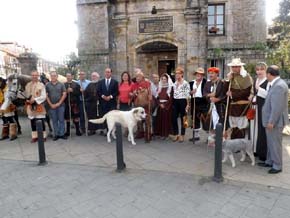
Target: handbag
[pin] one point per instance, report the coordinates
(251, 113)
(185, 122)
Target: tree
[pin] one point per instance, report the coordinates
(72, 64)
(279, 44)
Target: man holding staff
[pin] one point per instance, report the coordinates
(239, 89)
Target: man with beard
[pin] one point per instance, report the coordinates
(240, 88)
(72, 103)
(215, 94)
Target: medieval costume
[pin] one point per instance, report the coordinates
(36, 110)
(9, 129)
(258, 132)
(215, 95)
(93, 107)
(199, 104)
(164, 108)
(72, 110)
(240, 86)
(142, 98)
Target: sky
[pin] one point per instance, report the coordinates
(49, 26)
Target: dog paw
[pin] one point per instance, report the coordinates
(109, 141)
(223, 161)
(233, 166)
(253, 164)
(242, 159)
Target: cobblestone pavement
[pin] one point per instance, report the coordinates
(71, 191)
(159, 155)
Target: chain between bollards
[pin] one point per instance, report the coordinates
(119, 149)
(218, 177)
(41, 148)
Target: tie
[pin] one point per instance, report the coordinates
(107, 84)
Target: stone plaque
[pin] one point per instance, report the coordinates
(156, 24)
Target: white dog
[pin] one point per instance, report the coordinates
(128, 119)
(230, 146)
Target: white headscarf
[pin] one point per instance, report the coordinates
(169, 84)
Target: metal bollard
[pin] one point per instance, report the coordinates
(218, 177)
(119, 148)
(41, 149)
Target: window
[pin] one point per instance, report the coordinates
(216, 19)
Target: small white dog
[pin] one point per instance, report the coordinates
(127, 119)
(230, 146)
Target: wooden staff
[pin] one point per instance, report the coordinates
(193, 120)
(69, 108)
(149, 113)
(85, 112)
(227, 106)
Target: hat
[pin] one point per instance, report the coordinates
(3, 75)
(199, 70)
(52, 69)
(236, 62)
(214, 69)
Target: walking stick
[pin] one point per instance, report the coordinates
(149, 112)
(227, 108)
(193, 121)
(69, 108)
(85, 112)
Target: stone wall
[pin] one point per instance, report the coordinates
(109, 36)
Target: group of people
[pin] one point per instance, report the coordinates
(208, 102)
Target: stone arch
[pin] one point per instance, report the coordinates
(179, 44)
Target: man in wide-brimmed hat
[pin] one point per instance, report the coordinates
(199, 104)
(238, 91)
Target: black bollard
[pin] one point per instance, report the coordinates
(41, 149)
(119, 148)
(218, 177)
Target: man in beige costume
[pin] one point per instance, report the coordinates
(36, 94)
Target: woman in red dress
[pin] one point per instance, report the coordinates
(164, 111)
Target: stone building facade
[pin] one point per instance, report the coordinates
(158, 35)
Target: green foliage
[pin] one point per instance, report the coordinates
(279, 44)
(72, 65)
(251, 69)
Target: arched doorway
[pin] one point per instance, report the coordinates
(157, 57)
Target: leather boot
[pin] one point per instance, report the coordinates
(5, 132)
(181, 138)
(78, 131)
(12, 131)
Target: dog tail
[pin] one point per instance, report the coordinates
(100, 120)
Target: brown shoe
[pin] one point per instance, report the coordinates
(174, 138)
(33, 140)
(181, 138)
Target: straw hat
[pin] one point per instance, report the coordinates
(52, 69)
(199, 70)
(236, 62)
(3, 75)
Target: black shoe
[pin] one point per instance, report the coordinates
(55, 138)
(91, 133)
(78, 133)
(263, 164)
(195, 139)
(63, 137)
(274, 171)
(67, 134)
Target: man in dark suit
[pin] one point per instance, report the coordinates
(274, 118)
(108, 92)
